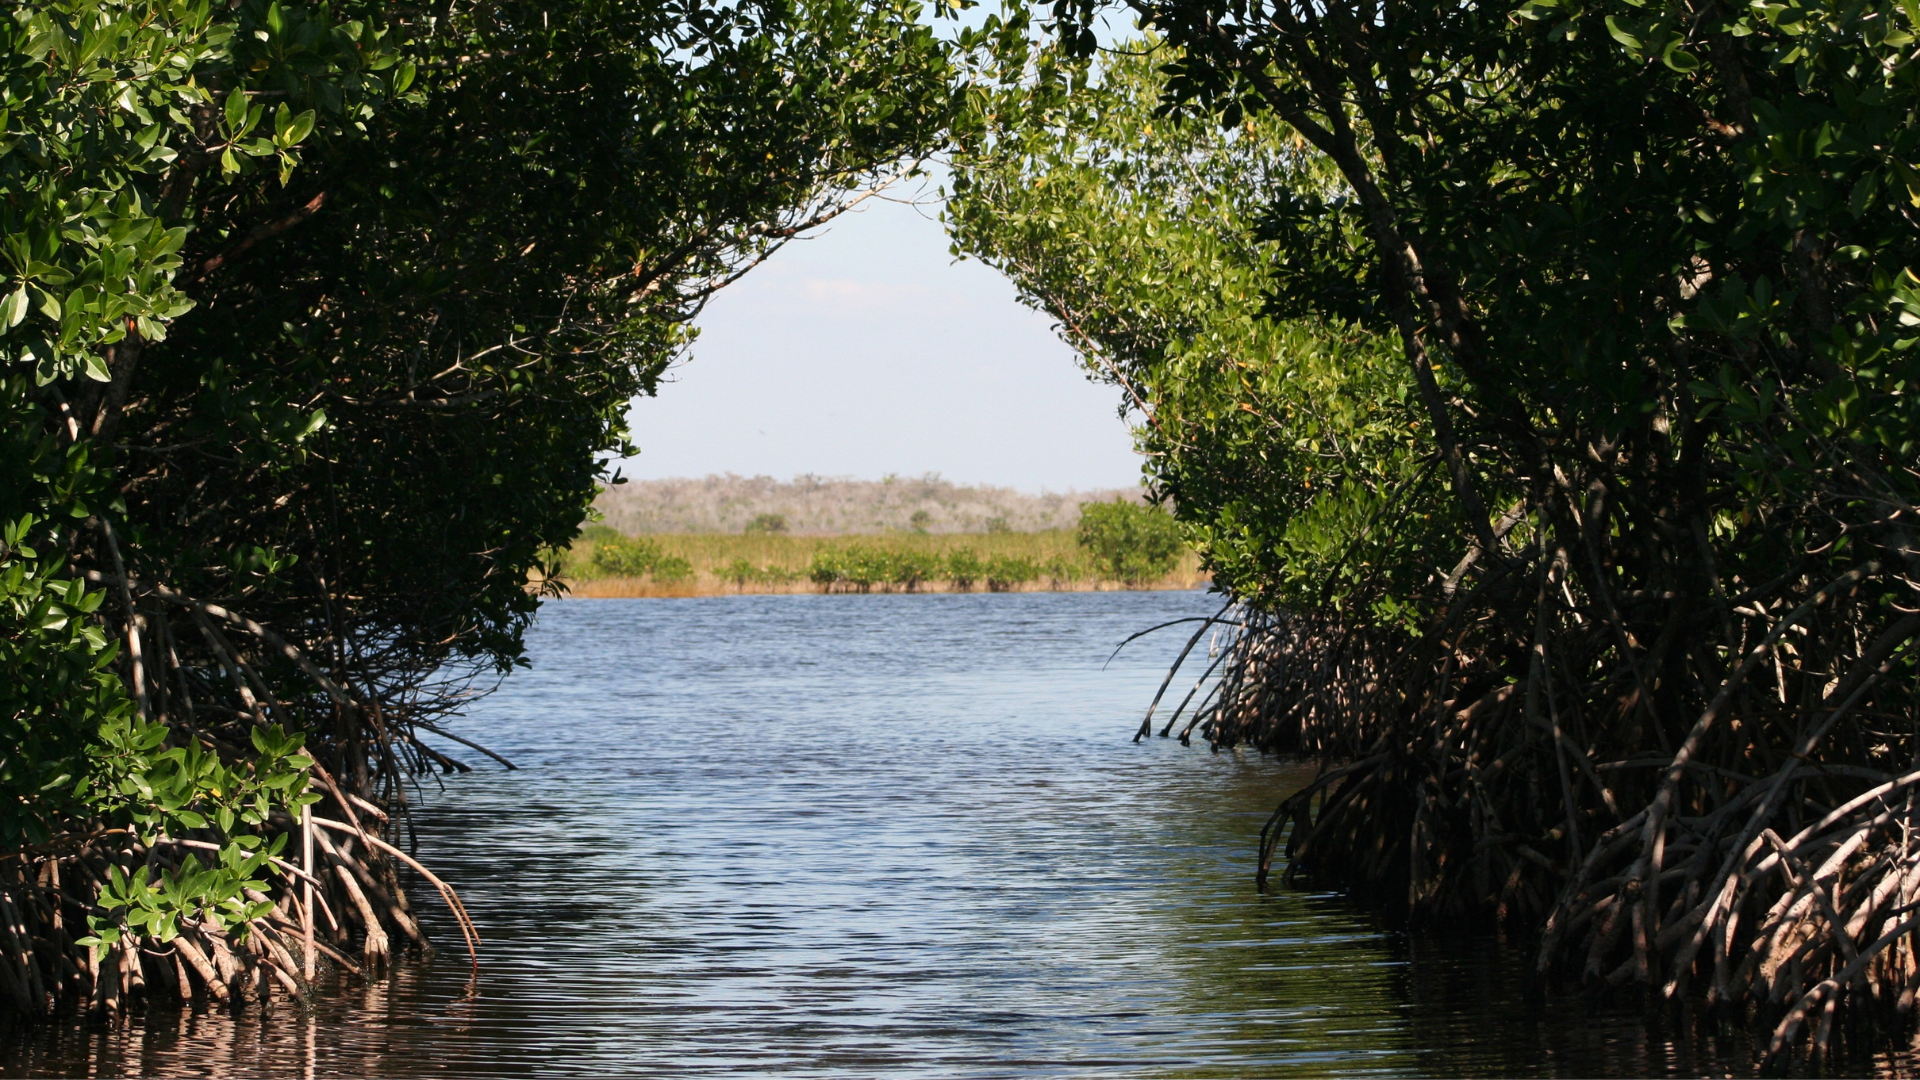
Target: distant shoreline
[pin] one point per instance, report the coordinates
(686, 565)
(643, 588)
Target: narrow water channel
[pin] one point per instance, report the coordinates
(877, 836)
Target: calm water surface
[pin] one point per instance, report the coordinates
(876, 836)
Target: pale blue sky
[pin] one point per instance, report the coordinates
(867, 350)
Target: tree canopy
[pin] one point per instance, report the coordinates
(1144, 236)
(1610, 308)
(320, 321)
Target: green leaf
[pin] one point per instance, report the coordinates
(1863, 193)
(236, 113)
(1621, 35)
(1680, 59)
(14, 308)
(301, 127)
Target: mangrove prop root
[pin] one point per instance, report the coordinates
(213, 686)
(1730, 817)
(45, 897)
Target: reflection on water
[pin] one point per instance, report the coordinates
(878, 835)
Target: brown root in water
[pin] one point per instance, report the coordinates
(45, 898)
(212, 687)
(1741, 835)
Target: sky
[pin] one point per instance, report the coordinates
(865, 350)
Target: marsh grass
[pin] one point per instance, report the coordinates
(771, 563)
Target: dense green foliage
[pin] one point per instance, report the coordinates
(100, 99)
(964, 568)
(1280, 440)
(1129, 542)
(1542, 374)
(1569, 272)
(318, 322)
(637, 556)
(860, 567)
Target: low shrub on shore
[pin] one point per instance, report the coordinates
(627, 556)
(1005, 572)
(1129, 542)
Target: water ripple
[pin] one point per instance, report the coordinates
(887, 835)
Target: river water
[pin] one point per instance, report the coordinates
(878, 836)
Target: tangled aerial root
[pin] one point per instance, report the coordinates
(343, 910)
(334, 900)
(1741, 835)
